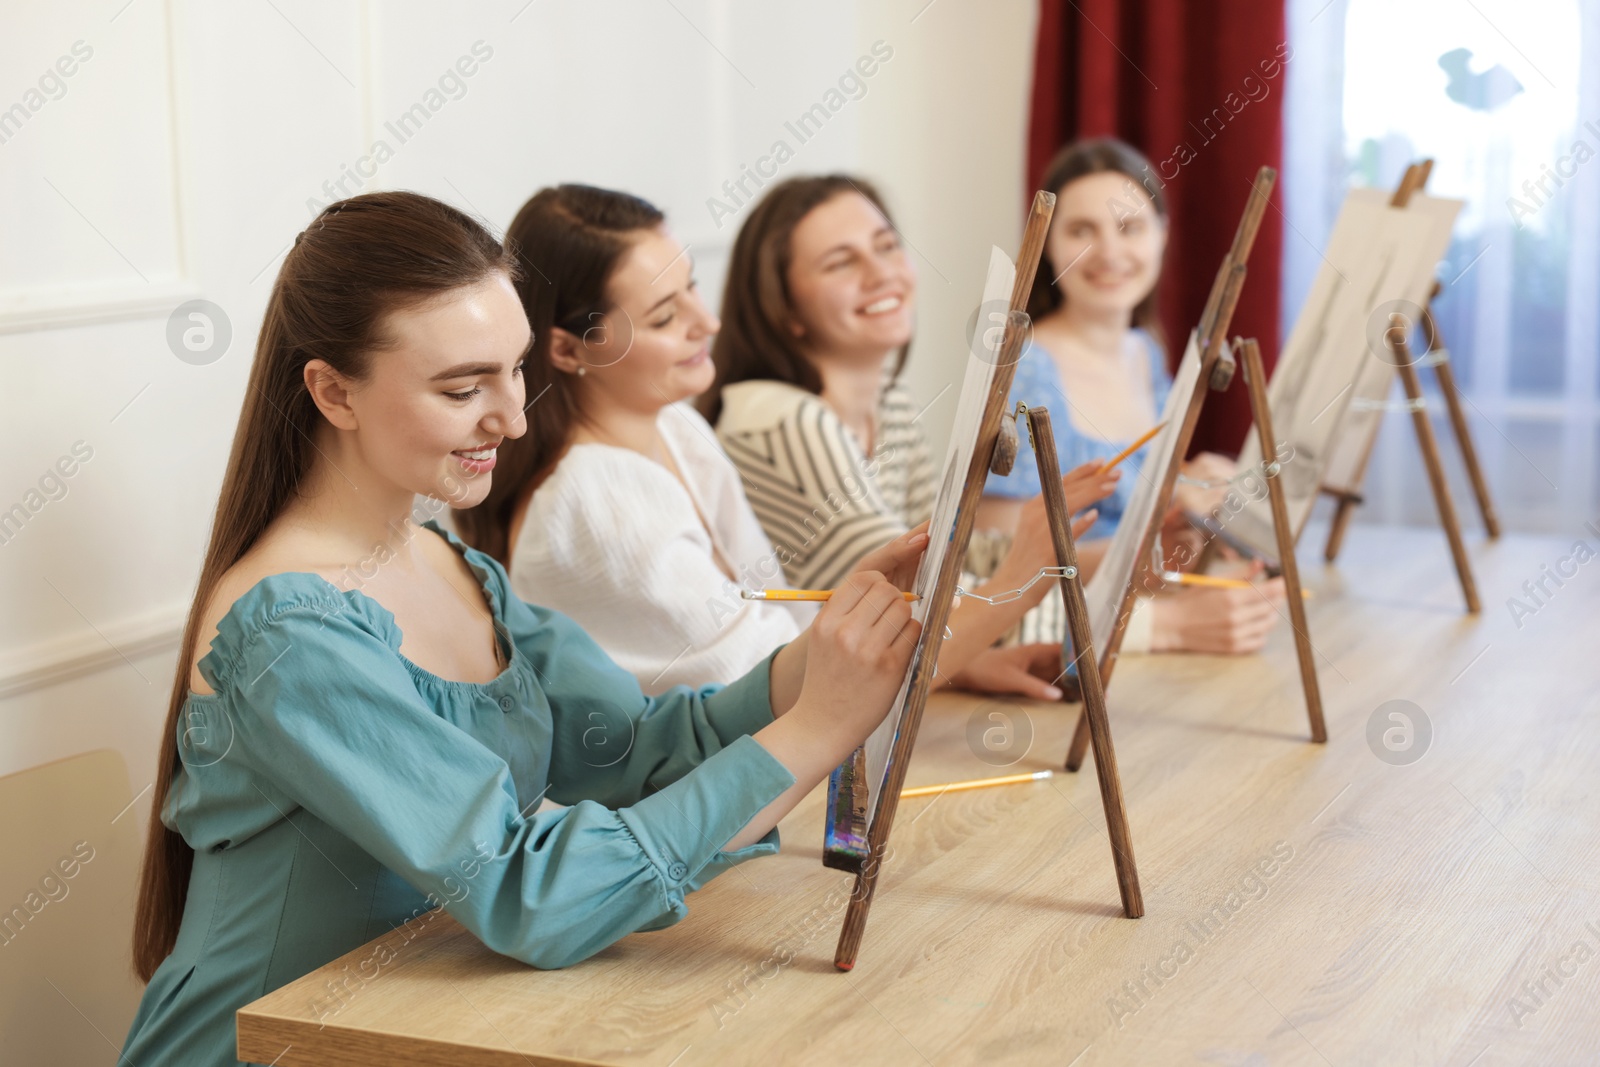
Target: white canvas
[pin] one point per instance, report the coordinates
(1106, 591)
(975, 388)
(1376, 255)
(1426, 240)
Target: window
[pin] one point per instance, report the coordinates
(1504, 96)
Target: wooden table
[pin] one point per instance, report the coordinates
(1307, 904)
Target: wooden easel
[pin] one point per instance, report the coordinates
(1347, 497)
(990, 438)
(1439, 356)
(1216, 373)
(1255, 379)
(1090, 685)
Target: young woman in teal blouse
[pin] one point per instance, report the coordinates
(367, 723)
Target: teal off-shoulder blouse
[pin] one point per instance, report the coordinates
(332, 790)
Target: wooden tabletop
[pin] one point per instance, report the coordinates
(1307, 904)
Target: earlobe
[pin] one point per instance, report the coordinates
(565, 354)
(330, 393)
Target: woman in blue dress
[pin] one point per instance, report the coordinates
(1097, 363)
(366, 723)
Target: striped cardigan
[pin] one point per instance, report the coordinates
(822, 501)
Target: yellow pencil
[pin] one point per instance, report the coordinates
(1144, 439)
(799, 594)
(976, 783)
(1215, 582)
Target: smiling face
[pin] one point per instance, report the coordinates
(442, 392)
(653, 348)
(852, 285)
(1106, 241)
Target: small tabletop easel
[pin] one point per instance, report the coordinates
(990, 440)
(1347, 497)
(1216, 373)
(1080, 627)
(1255, 379)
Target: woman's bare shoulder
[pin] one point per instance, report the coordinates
(275, 552)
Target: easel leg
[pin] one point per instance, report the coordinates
(1256, 380)
(855, 916)
(1080, 742)
(1458, 422)
(1430, 459)
(1094, 693)
(1336, 529)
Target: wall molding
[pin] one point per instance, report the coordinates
(83, 307)
(62, 659)
(67, 304)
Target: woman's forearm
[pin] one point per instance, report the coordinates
(808, 753)
(978, 626)
(787, 673)
(1090, 553)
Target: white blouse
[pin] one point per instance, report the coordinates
(615, 542)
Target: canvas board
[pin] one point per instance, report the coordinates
(1106, 593)
(855, 788)
(1378, 257)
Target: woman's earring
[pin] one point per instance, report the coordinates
(582, 371)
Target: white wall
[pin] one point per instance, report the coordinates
(179, 164)
(177, 160)
(944, 136)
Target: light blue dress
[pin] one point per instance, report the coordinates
(333, 790)
(1038, 384)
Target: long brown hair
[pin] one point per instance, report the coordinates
(756, 342)
(358, 261)
(568, 241)
(1101, 155)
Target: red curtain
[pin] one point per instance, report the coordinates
(1197, 86)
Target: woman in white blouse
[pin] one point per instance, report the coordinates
(618, 508)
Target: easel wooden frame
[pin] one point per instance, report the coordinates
(1082, 630)
(1255, 378)
(1216, 373)
(990, 438)
(1414, 180)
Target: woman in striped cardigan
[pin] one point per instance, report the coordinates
(817, 317)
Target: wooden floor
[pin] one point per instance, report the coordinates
(1307, 904)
